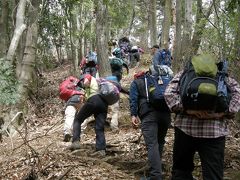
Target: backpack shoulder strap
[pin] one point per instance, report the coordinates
(146, 87)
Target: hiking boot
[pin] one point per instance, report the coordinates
(74, 146)
(100, 153)
(67, 137)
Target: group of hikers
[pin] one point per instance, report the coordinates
(202, 96)
(123, 54)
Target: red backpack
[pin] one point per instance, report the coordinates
(68, 88)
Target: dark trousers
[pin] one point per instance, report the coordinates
(210, 150)
(97, 107)
(134, 58)
(154, 128)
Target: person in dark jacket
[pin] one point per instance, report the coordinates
(154, 124)
(117, 65)
(134, 54)
(160, 57)
(89, 64)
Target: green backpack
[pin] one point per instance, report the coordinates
(199, 85)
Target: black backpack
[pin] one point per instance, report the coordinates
(203, 87)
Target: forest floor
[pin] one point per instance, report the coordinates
(37, 150)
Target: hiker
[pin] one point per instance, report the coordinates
(154, 122)
(117, 52)
(160, 57)
(73, 96)
(99, 95)
(89, 64)
(94, 105)
(117, 65)
(200, 127)
(125, 45)
(135, 56)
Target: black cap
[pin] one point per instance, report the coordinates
(155, 46)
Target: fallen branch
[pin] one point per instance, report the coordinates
(46, 167)
(5, 128)
(64, 174)
(46, 133)
(13, 119)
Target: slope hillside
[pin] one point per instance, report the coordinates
(37, 150)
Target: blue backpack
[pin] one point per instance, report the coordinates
(165, 57)
(155, 88)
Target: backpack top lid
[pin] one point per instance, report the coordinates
(205, 65)
(161, 70)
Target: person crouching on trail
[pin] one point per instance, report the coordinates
(96, 106)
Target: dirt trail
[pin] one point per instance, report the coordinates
(38, 152)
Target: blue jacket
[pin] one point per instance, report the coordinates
(159, 58)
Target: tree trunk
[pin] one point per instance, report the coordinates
(219, 29)
(177, 56)
(4, 28)
(19, 28)
(26, 78)
(174, 24)
(132, 18)
(80, 29)
(166, 25)
(101, 37)
(187, 30)
(152, 22)
(199, 26)
(237, 35)
(74, 39)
